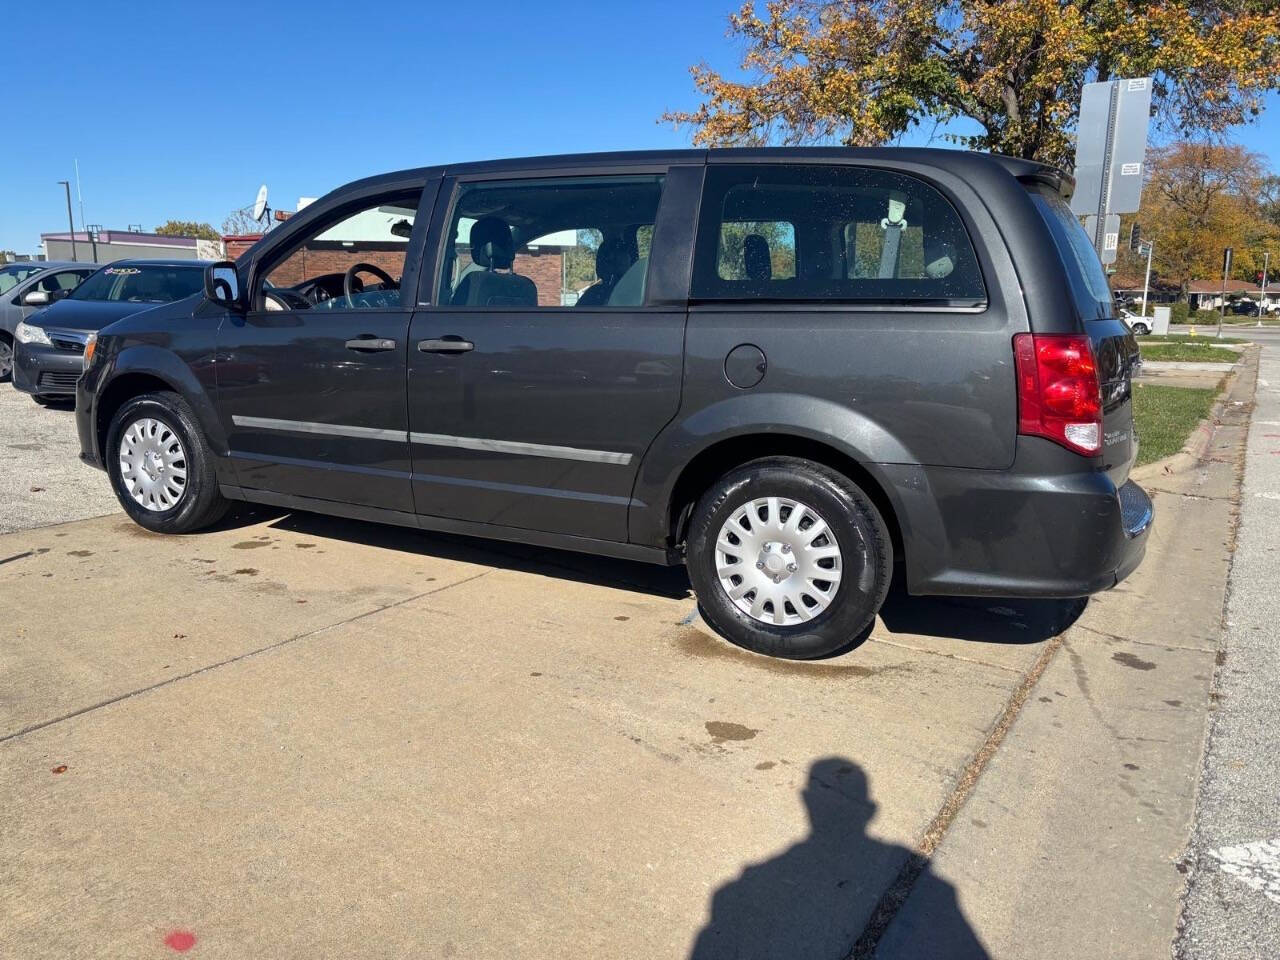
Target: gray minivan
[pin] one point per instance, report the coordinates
(788, 369)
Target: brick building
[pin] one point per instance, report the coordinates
(365, 239)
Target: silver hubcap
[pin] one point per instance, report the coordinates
(778, 561)
(153, 465)
(6, 358)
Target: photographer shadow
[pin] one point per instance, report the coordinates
(831, 893)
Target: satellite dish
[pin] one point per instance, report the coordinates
(260, 205)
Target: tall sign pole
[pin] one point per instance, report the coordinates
(1111, 146)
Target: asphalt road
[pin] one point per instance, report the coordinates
(299, 736)
(1233, 901)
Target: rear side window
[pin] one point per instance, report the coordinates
(833, 233)
(1089, 287)
(578, 242)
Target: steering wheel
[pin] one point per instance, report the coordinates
(348, 280)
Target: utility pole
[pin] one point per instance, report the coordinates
(70, 220)
(1262, 296)
(93, 240)
(1226, 272)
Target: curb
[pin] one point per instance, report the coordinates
(1171, 366)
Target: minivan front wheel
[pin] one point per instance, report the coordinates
(160, 466)
(788, 558)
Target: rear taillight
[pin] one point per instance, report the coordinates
(1059, 396)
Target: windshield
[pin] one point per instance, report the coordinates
(142, 283)
(1089, 286)
(15, 273)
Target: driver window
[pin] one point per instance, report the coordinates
(355, 263)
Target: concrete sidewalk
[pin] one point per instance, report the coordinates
(1072, 842)
(1233, 900)
(298, 736)
(286, 742)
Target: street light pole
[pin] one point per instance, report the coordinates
(1146, 282)
(70, 220)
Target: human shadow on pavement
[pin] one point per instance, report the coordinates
(819, 898)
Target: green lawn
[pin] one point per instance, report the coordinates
(1188, 351)
(1187, 338)
(1165, 416)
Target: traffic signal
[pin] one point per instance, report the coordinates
(1135, 236)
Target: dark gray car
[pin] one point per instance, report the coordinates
(48, 346)
(30, 286)
(787, 369)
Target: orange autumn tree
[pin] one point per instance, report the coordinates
(862, 72)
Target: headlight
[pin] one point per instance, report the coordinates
(89, 346)
(26, 333)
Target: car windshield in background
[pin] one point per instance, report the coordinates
(141, 283)
(1089, 287)
(15, 273)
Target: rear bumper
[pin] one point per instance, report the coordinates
(46, 371)
(1038, 530)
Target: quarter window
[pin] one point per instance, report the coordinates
(574, 242)
(835, 233)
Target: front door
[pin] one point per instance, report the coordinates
(540, 377)
(311, 381)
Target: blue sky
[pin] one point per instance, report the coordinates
(181, 110)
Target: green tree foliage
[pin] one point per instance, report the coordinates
(188, 228)
(862, 72)
(1200, 198)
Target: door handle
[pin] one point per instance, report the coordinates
(370, 344)
(449, 344)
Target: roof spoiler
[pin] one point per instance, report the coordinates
(1061, 183)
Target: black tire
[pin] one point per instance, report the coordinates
(6, 357)
(860, 533)
(1141, 329)
(199, 504)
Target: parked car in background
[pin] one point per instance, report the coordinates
(796, 367)
(1244, 307)
(28, 287)
(49, 345)
(1139, 324)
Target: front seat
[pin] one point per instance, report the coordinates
(493, 249)
(612, 261)
(756, 263)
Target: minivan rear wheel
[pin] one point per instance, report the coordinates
(160, 466)
(788, 558)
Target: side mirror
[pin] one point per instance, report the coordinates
(222, 284)
(36, 298)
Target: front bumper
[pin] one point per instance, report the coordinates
(45, 371)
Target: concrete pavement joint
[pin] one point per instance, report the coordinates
(1146, 643)
(895, 895)
(32, 728)
(939, 653)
